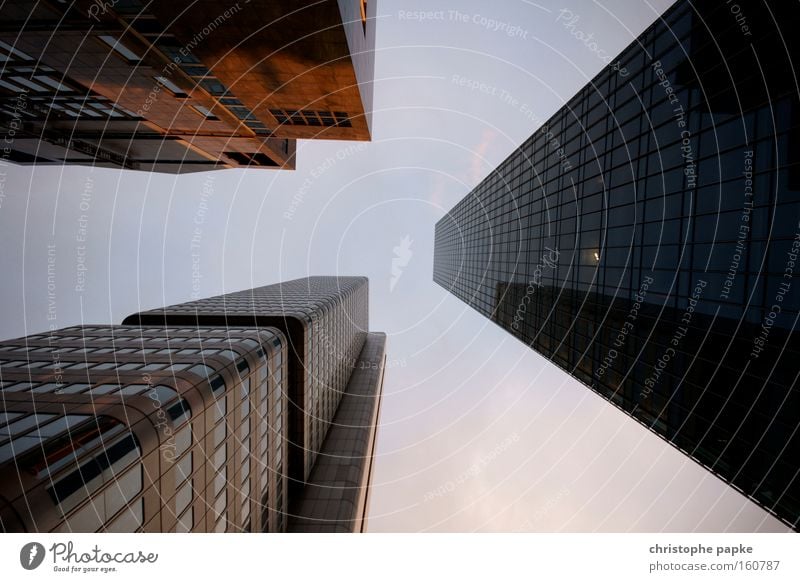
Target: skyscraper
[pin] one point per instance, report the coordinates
(187, 427)
(119, 428)
(325, 320)
(152, 86)
(645, 239)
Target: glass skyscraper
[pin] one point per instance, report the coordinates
(160, 427)
(646, 237)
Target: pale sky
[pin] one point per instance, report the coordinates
(477, 431)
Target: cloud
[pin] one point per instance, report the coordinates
(479, 165)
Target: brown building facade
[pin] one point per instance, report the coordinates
(159, 87)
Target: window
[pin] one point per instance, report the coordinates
(130, 519)
(213, 86)
(202, 370)
(176, 91)
(185, 522)
(15, 52)
(217, 384)
(205, 113)
(50, 82)
(72, 389)
(183, 498)
(180, 412)
(104, 389)
(257, 159)
(183, 469)
(120, 48)
(183, 439)
(6, 417)
(28, 83)
(133, 389)
(177, 54)
(101, 468)
(8, 85)
(311, 118)
(24, 425)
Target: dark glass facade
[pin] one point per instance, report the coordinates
(645, 239)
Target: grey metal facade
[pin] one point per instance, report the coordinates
(209, 425)
(645, 239)
(325, 320)
(119, 429)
